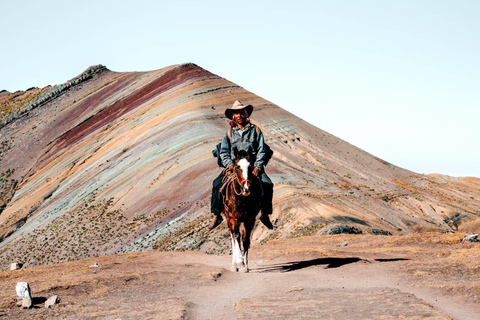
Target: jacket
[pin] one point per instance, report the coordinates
(241, 141)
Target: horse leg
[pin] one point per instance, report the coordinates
(246, 234)
(236, 250)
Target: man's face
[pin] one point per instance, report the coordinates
(239, 116)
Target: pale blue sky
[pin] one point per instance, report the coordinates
(398, 79)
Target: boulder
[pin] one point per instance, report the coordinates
(26, 303)
(471, 237)
(51, 301)
(16, 266)
(23, 290)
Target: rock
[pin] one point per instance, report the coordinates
(471, 238)
(342, 244)
(95, 265)
(51, 301)
(26, 303)
(16, 266)
(23, 290)
(210, 275)
(338, 229)
(380, 232)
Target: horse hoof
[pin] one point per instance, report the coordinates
(244, 270)
(234, 269)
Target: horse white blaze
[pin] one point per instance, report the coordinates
(244, 164)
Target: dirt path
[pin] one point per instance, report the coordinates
(360, 289)
(308, 278)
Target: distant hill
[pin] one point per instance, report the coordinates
(114, 162)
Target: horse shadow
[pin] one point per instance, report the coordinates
(329, 263)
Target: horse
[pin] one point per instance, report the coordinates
(242, 193)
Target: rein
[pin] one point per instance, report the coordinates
(230, 177)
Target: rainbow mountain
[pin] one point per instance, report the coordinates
(114, 162)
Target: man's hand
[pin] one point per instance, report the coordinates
(232, 166)
(256, 172)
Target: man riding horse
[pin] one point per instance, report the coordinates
(243, 135)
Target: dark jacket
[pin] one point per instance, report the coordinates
(241, 141)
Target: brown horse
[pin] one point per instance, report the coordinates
(242, 192)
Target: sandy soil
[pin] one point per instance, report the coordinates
(420, 276)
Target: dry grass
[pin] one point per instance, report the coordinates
(13, 101)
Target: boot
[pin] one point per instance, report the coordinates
(265, 219)
(217, 219)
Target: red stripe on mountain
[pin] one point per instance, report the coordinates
(92, 102)
(168, 80)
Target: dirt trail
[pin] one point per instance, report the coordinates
(306, 278)
(370, 290)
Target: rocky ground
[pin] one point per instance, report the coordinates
(418, 276)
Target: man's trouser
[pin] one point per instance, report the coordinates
(217, 198)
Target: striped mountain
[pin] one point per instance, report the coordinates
(113, 162)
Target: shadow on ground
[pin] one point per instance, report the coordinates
(391, 260)
(38, 301)
(328, 262)
(297, 265)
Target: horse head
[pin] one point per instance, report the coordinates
(243, 165)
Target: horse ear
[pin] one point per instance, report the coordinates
(235, 152)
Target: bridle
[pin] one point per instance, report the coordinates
(231, 178)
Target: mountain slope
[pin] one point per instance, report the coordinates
(115, 162)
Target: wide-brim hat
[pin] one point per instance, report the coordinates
(237, 105)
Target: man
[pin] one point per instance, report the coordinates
(242, 136)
